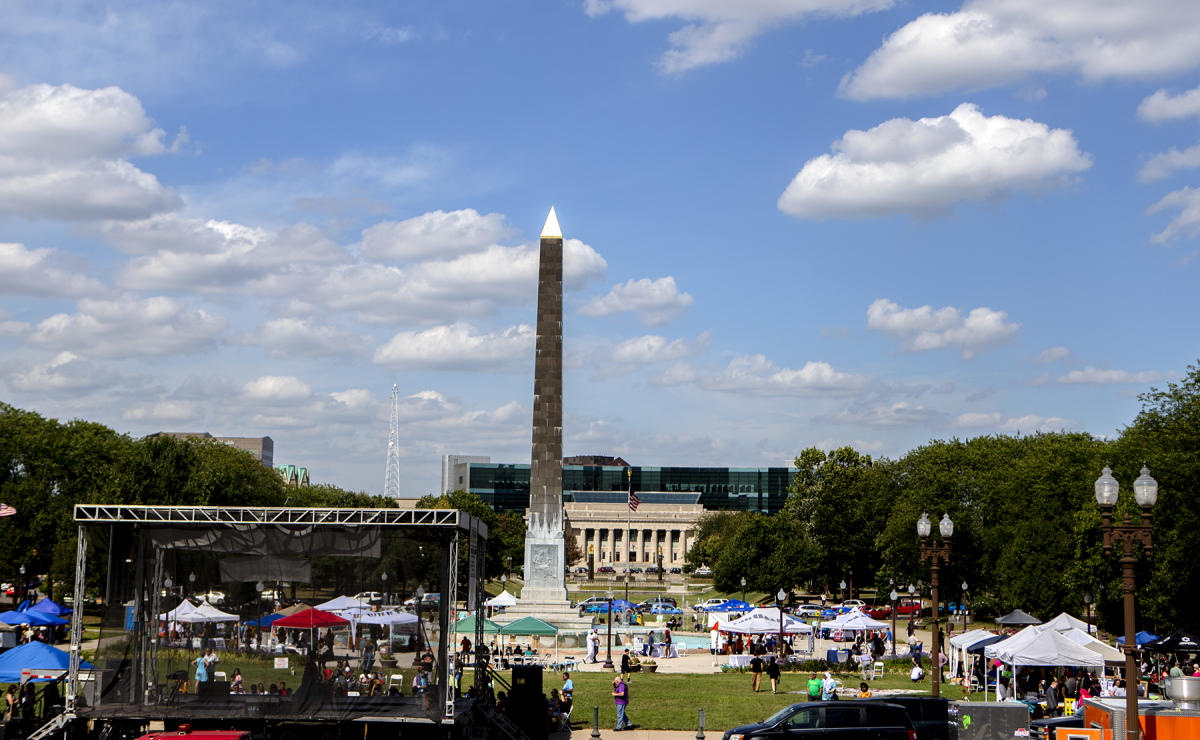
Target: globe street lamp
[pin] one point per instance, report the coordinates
(383, 577)
(420, 594)
(894, 596)
(608, 664)
(842, 588)
(192, 584)
(743, 588)
(962, 606)
(1126, 535)
(1087, 607)
(936, 555)
(779, 597)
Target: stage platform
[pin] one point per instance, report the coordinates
(255, 708)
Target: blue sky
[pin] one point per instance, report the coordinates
(789, 223)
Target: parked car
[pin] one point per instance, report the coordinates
(633, 569)
(956, 608)
(651, 569)
(849, 604)
(704, 606)
(606, 569)
(876, 720)
(906, 607)
(593, 600)
(369, 597)
(675, 571)
(930, 716)
(878, 612)
(650, 603)
(807, 610)
(216, 598)
(703, 570)
(583, 569)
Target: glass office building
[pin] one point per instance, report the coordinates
(505, 487)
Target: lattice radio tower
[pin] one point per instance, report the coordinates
(391, 477)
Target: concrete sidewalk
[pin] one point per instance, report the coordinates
(636, 734)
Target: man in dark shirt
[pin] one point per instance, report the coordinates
(756, 667)
(1052, 698)
(625, 665)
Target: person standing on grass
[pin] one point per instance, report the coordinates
(828, 688)
(620, 695)
(625, 665)
(773, 674)
(756, 669)
(814, 687)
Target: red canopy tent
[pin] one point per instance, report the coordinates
(310, 619)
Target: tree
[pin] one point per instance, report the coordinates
(709, 537)
(769, 551)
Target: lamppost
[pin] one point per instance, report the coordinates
(912, 590)
(420, 594)
(383, 577)
(23, 584)
(1126, 535)
(259, 588)
(962, 606)
(1087, 607)
(608, 664)
(743, 588)
(192, 584)
(779, 597)
(842, 588)
(167, 583)
(936, 555)
(894, 596)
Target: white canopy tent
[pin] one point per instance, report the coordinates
(185, 607)
(343, 604)
(765, 621)
(502, 599)
(959, 645)
(1108, 652)
(1042, 647)
(853, 622)
(1064, 622)
(206, 613)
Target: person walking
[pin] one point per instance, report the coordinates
(756, 669)
(1052, 697)
(620, 695)
(828, 688)
(593, 646)
(773, 674)
(625, 668)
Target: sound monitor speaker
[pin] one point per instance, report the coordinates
(212, 689)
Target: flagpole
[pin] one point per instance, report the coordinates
(628, 532)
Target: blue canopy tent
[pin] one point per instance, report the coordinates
(1140, 638)
(266, 621)
(623, 605)
(34, 656)
(49, 606)
(37, 619)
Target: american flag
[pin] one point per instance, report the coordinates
(6, 510)
(633, 497)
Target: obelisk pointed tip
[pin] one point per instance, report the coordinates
(551, 229)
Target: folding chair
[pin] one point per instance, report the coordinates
(394, 680)
(220, 676)
(877, 670)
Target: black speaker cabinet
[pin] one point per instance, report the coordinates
(212, 689)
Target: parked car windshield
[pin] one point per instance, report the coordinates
(779, 716)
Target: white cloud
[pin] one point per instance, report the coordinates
(1186, 224)
(291, 337)
(653, 348)
(1011, 425)
(434, 234)
(678, 374)
(8, 327)
(717, 30)
(1166, 163)
(163, 411)
(458, 347)
(999, 42)
(64, 155)
(276, 388)
(655, 301)
(1163, 106)
(128, 327)
(66, 373)
(925, 166)
(217, 256)
(1054, 354)
(25, 271)
(926, 328)
(474, 284)
(898, 414)
(758, 375)
(1101, 376)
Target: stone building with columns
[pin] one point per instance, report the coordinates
(600, 530)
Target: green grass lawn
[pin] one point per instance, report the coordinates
(669, 701)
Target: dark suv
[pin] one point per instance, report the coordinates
(836, 720)
(929, 715)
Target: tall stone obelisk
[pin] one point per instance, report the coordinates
(545, 579)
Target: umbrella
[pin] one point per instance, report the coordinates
(1016, 616)
(1176, 642)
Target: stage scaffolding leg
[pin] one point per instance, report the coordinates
(81, 544)
(155, 603)
(478, 559)
(449, 594)
(139, 622)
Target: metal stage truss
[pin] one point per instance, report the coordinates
(147, 525)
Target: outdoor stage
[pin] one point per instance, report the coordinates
(141, 674)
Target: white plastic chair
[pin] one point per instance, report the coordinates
(395, 679)
(220, 676)
(877, 670)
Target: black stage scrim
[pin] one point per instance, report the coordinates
(241, 584)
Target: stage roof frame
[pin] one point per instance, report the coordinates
(259, 515)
